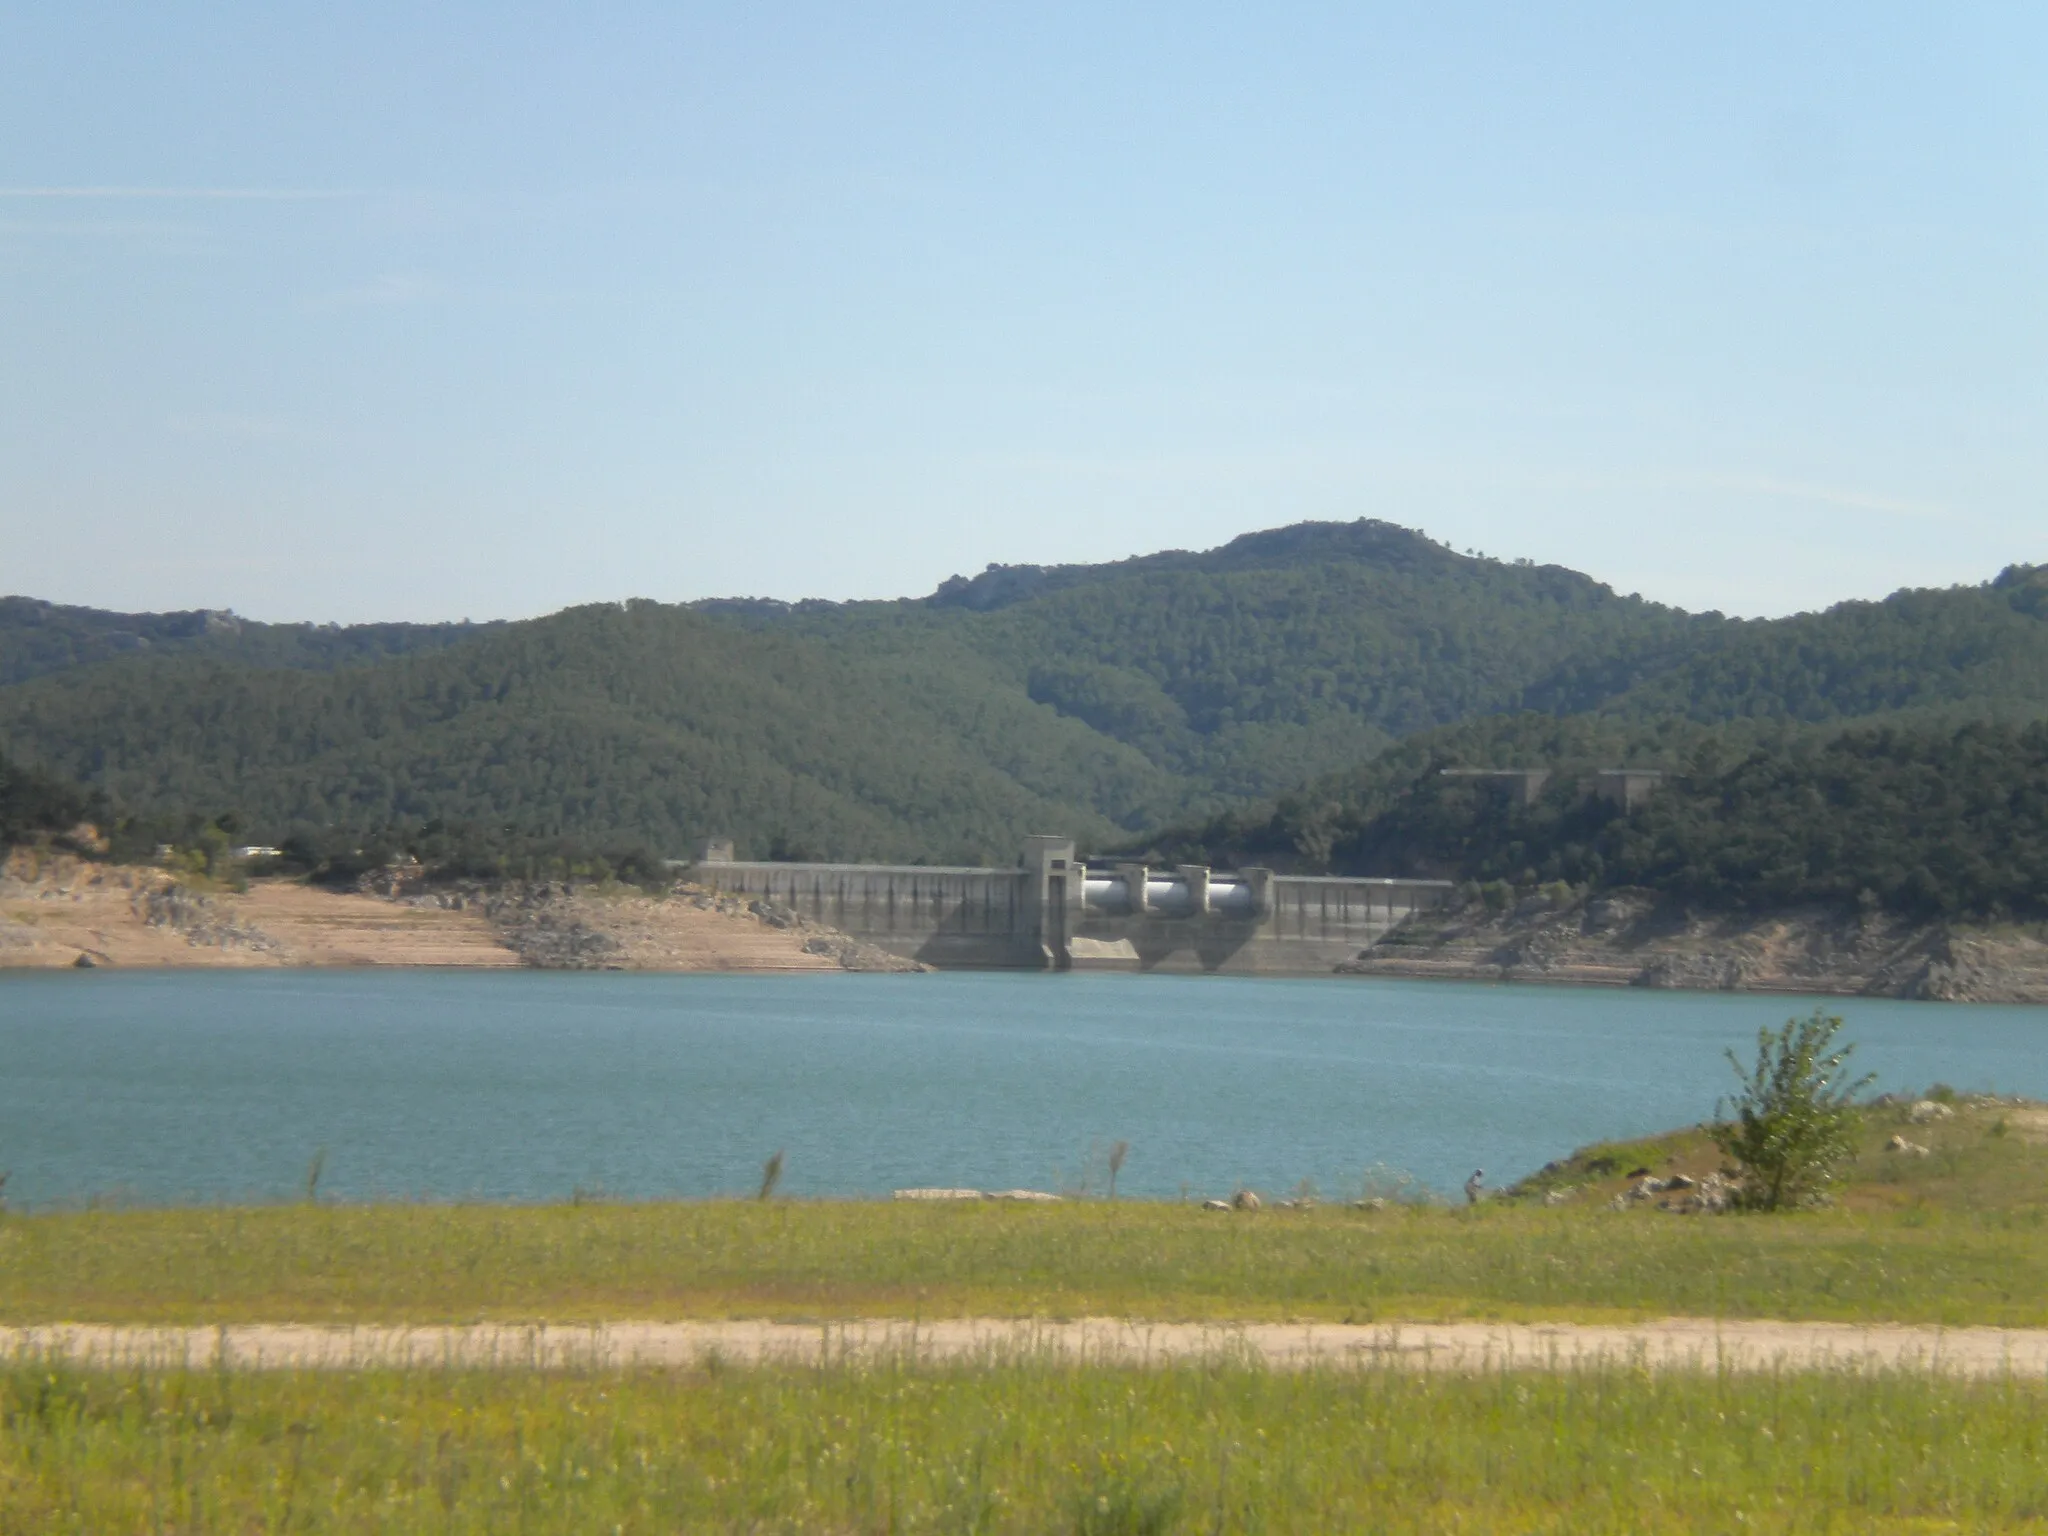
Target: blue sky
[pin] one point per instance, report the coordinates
(415, 312)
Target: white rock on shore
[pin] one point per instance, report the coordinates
(1037, 1196)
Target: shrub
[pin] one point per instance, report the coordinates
(1795, 1119)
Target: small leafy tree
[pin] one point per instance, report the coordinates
(1795, 1119)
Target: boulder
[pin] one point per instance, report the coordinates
(1907, 1148)
(1245, 1200)
(938, 1194)
(1215, 1205)
(1697, 972)
(1709, 1194)
(773, 915)
(1928, 1110)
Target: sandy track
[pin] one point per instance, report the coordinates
(1673, 1344)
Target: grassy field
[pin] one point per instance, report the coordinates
(1959, 1236)
(1017, 1447)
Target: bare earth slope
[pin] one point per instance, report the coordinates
(1630, 939)
(64, 911)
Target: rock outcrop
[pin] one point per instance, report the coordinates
(1631, 938)
(200, 917)
(562, 927)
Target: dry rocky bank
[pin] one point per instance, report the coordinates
(60, 910)
(57, 909)
(1632, 938)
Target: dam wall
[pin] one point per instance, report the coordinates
(971, 919)
(1054, 912)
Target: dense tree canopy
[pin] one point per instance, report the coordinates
(645, 723)
(37, 638)
(1282, 698)
(33, 803)
(1928, 820)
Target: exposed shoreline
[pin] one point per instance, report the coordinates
(1631, 939)
(57, 910)
(61, 911)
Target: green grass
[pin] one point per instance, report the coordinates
(1016, 1447)
(821, 1261)
(1959, 1237)
(1028, 1444)
(1988, 1159)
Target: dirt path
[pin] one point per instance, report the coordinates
(1673, 1344)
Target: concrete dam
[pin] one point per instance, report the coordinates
(1055, 913)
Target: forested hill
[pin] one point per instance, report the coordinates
(1280, 655)
(1100, 700)
(645, 722)
(38, 638)
(1290, 654)
(1964, 650)
(33, 804)
(1917, 817)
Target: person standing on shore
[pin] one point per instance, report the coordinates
(1474, 1185)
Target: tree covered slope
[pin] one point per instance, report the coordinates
(1967, 651)
(38, 638)
(1278, 656)
(646, 720)
(1917, 816)
(1266, 696)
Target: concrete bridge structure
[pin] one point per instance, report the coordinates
(1055, 913)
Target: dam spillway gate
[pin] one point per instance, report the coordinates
(1054, 912)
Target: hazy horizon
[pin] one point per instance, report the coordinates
(390, 314)
(282, 617)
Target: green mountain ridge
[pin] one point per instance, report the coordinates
(1215, 691)
(1277, 656)
(39, 638)
(644, 721)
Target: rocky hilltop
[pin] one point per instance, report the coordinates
(1631, 938)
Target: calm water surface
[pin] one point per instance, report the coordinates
(173, 1086)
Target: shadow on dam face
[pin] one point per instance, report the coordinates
(1053, 912)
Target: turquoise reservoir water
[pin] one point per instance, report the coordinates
(209, 1086)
